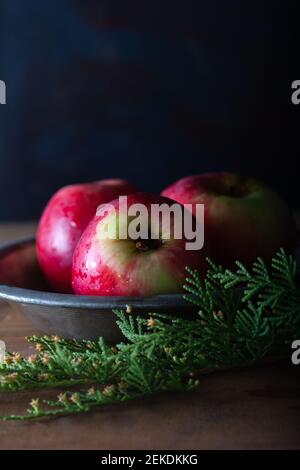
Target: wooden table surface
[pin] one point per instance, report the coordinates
(256, 408)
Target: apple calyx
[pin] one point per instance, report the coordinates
(146, 245)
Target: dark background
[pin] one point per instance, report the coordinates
(146, 90)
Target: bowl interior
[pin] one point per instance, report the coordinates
(19, 266)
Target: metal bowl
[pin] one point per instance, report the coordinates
(70, 316)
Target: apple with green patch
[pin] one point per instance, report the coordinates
(244, 218)
(113, 265)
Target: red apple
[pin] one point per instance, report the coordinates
(64, 219)
(243, 217)
(131, 266)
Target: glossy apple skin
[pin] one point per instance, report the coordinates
(244, 218)
(117, 268)
(64, 219)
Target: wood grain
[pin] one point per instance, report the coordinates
(248, 409)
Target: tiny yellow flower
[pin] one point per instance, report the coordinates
(151, 322)
(168, 350)
(75, 398)
(35, 402)
(10, 378)
(39, 347)
(91, 391)
(17, 357)
(32, 359)
(8, 360)
(109, 390)
(45, 359)
(55, 338)
(129, 309)
(62, 398)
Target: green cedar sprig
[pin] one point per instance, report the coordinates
(243, 317)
